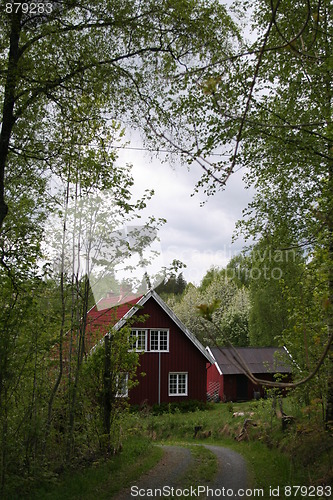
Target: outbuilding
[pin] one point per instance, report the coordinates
(226, 380)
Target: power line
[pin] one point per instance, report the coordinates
(135, 148)
(162, 150)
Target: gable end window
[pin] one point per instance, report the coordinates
(159, 340)
(178, 384)
(138, 340)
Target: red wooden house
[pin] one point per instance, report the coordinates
(226, 380)
(173, 360)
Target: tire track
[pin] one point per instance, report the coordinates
(231, 473)
(167, 472)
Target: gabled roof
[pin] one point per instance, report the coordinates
(104, 315)
(108, 311)
(116, 316)
(258, 360)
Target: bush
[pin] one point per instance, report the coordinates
(180, 407)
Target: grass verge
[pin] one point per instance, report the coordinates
(104, 480)
(267, 468)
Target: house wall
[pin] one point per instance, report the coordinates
(183, 356)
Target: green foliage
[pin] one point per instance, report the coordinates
(212, 274)
(87, 68)
(27, 324)
(217, 311)
(270, 111)
(181, 407)
(146, 63)
(235, 322)
(239, 270)
(274, 275)
(123, 360)
(170, 408)
(102, 478)
(306, 336)
(206, 311)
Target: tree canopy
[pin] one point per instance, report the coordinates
(90, 57)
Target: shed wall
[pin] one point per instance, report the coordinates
(214, 384)
(233, 383)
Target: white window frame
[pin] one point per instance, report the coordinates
(122, 385)
(135, 332)
(177, 375)
(159, 331)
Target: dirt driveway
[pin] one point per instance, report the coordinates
(231, 475)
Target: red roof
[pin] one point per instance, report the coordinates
(104, 315)
(100, 319)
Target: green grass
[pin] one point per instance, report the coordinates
(266, 467)
(105, 479)
(274, 458)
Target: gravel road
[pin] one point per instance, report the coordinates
(168, 471)
(231, 475)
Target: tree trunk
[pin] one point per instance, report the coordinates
(329, 98)
(107, 388)
(60, 372)
(329, 402)
(80, 352)
(8, 118)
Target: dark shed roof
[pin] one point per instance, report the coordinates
(258, 359)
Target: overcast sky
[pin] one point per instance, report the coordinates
(200, 237)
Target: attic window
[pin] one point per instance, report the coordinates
(178, 384)
(159, 340)
(139, 340)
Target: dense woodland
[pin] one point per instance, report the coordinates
(252, 82)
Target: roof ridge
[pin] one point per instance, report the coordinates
(152, 294)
